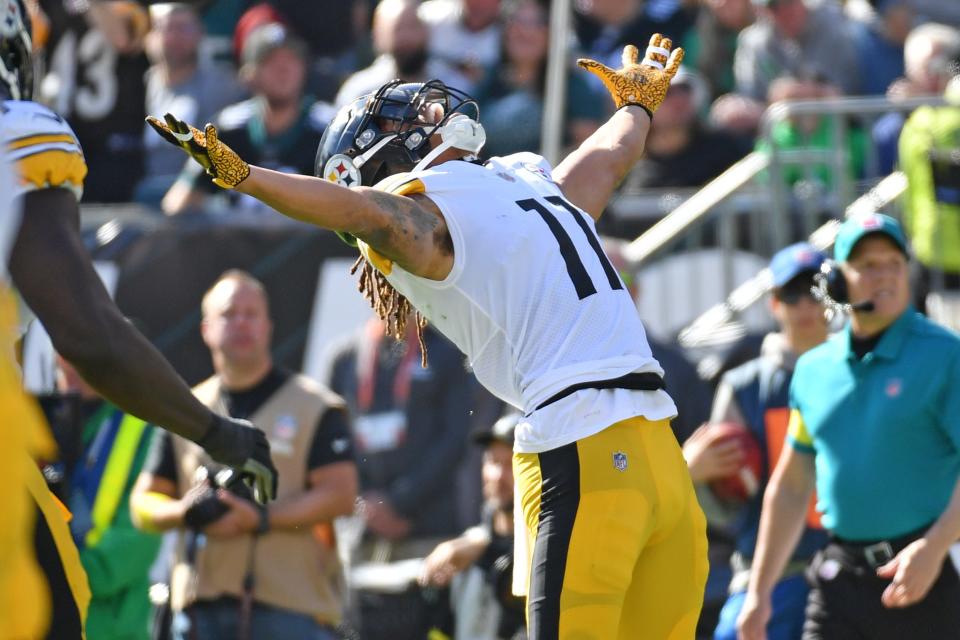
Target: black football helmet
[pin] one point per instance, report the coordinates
(16, 51)
(389, 132)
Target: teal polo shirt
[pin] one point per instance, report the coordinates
(885, 430)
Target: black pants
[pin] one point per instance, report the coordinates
(844, 603)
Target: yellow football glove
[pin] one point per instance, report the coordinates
(645, 84)
(221, 162)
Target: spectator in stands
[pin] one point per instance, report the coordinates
(680, 150)
(465, 35)
(802, 38)
(178, 80)
(604, 27)
(280, 126)
(410, 431)
(938, 11)
(712, 42)
(95, 79)
(737, 114)
(881, 445)
(930, 54)
(512, 91)
(930, 158)
(115, 555)
(258, 572)
(478, 564)
(754, 395)
(811, 132)
(401, 40)
(880, 43)
(333, 32)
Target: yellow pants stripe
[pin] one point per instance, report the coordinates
(68, 555)
(633, 562)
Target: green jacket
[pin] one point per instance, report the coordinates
(929, 144)
(787, 137)
(116, 555)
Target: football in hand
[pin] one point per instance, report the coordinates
(745, 482)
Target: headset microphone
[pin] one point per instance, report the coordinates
(865, 306)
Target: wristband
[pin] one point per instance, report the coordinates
(637, 104)
(145, 505)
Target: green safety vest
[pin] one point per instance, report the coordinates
(115, 475)
(929, 148)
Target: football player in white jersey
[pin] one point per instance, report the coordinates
(51, 270)
(503, 258)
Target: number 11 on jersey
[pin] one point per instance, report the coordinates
(568, 250)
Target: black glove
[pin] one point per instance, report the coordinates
(240, 445)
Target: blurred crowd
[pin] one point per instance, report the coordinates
(415, 462)
(272, 74)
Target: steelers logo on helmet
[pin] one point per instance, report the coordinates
(340, 169)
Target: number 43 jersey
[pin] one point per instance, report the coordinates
(532, 299)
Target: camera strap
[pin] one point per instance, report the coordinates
(246, 601)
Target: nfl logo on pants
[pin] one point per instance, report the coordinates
(620, 461)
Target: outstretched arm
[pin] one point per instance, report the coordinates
(410, 231)
(589, 175)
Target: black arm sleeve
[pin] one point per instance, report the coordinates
(331, 441)
(161, 461)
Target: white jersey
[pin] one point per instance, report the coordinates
(44, 153)
(532, 300)
(9, 213)
(42, 147)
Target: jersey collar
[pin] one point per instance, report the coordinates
(892, 341)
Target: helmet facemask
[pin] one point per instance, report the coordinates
(390, 132)
(16, 51)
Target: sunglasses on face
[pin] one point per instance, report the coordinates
(792, 292)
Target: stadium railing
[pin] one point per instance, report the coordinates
(751, 210)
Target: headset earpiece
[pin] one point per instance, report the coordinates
(836, 282)
(830, 288)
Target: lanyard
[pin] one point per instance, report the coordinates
(368, 364)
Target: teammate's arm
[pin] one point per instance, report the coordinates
(589, 175)
(781, 525)
(52, 271)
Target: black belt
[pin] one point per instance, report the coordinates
(875, 553)
(636, 381)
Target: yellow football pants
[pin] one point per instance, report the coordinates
(25, 608)
(618, 540)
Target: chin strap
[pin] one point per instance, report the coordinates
(361, 159)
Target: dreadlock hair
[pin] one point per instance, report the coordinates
(389, 304)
